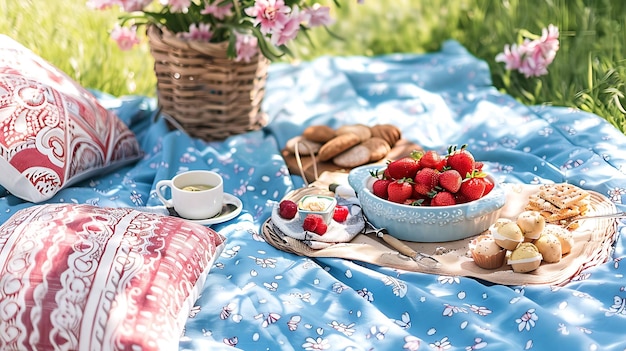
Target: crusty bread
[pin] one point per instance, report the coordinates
(337, 145)
(353, 157)
(319, 133)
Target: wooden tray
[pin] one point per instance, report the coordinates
(593, 246)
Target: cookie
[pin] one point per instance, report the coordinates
(337, 145)
(305, 147)
(355, 156)
(389, 132)
(379, 148)
(563, 195)
(361, 130)
(558, 202)
(319, 133)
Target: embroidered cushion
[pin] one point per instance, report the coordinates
(79, 277)
(53, 132)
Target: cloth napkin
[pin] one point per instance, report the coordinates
(338, 232)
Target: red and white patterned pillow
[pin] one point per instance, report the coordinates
(79, 277)
(53, 132)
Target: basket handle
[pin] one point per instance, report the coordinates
(299, 162)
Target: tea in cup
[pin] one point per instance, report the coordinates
(194, 194)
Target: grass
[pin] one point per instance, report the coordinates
(589, 72)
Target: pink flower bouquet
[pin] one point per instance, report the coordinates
(532, 57)
(247, 25)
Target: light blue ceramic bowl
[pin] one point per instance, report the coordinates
(428, 223)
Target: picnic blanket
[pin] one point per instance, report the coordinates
(257, 297)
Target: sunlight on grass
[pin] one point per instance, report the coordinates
(588, 73)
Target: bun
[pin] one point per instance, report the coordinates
(319, 133)
(355, 156)
(337, 145)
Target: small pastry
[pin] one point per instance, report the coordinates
(565, 237)
(525, 258)
(531, 223)
(507, 235)
(500, 222)
(549, 247)
(486, 253)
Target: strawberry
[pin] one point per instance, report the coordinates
(426, 179)
(404, 167)
(341, 213)
(310, 222)
(443, 198)
(450, 180)
(472, 189)
(321, 228)
(488, 185)
(400, 190)
(287, 209)
(379, 188)
(314, 223)
(460, 199)
(386, 174)
(417, 202)
(461, 159)
(430, 159)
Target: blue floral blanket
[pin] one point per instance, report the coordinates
(260, 298)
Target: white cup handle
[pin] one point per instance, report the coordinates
(159, 186)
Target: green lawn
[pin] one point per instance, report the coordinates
(588, 73)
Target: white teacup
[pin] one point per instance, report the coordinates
(194, 194)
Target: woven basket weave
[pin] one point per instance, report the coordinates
(208, 94)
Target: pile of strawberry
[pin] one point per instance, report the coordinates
(431, 179)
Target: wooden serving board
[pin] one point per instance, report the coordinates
(402, 148)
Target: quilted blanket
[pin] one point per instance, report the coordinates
(259, 298)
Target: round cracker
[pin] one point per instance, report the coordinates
(337, 145)
(379, 148)
(305, 147)
(319, 133)
(361, 130)
(353, 157)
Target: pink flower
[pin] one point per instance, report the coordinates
(218, 10)
(532, 58)
(318, 15)
(177, 5)
(134, 5)
(511, 56)
(246, 46)
(201, 32)
(271, 14)
(101, 4)
(290, 30)
(125, 37)
(550, 37)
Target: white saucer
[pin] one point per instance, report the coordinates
(228, 199)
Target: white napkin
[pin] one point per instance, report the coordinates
(338, 232)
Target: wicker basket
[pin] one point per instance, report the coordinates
(208, 94)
